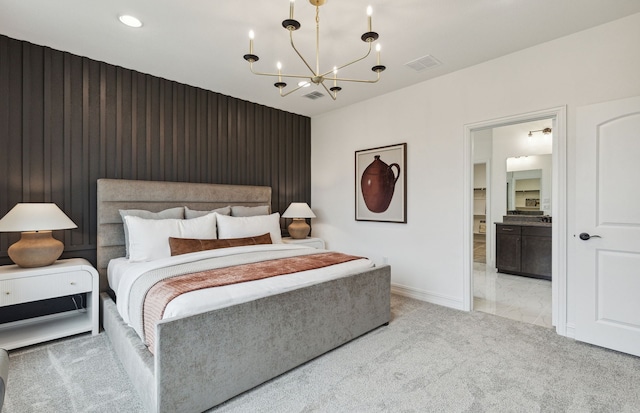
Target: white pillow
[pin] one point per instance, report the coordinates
(177, 212)
(245, 211)
(192, 213)
(240, 227)
(149, 238)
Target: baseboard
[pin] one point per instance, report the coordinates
(433, 298)
(571, 331)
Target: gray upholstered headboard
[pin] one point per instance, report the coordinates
(116, 194)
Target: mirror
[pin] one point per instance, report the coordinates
(529, 185)
(523, 189)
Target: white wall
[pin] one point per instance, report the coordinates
(479, 175)
(592, 66)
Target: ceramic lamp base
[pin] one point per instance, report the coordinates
(36, 249)
(299, 228)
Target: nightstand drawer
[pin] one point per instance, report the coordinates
(41, 287)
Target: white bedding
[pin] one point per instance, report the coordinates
(122, 274)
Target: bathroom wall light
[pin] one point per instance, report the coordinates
(130, 21)
(545, 131)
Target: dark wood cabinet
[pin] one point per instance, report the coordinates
(524, 250)
(508, 247)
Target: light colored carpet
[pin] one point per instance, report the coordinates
(429, 358)
(78, 374)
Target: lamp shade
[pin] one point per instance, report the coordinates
(298, 210)
(35, 217)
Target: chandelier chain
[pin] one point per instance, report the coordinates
(317, 41)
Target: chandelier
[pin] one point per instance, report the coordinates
(316, 76)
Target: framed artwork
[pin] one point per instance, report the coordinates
(381, 184)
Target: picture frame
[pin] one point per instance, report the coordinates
(381, 184)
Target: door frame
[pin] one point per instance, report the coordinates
(558, 115)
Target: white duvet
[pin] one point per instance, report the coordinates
(122, 274)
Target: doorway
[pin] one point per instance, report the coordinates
(554, 204)
(518, 283)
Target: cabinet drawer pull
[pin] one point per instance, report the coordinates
(7, 293)
(73, 283)
(507, 229)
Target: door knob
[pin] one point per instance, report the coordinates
(585, 236)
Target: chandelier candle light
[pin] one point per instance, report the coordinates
(317, 77)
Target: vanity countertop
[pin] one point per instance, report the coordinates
(525, 223)
(526, 220)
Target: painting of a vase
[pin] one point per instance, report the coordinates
(381, 184)
(378, 183)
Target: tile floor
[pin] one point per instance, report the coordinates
(479, 248)
(511, 296)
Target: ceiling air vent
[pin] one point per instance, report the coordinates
(423, 63)
(314, 95)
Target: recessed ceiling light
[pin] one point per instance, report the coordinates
(130, 21)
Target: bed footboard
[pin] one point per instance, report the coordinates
(136, 359)
(206, 359)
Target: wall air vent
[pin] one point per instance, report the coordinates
(423, 63)
(314, 95)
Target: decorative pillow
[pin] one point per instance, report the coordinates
(239, 227)
(192, 213)
(177, 213)
(149, 238)
(186, 245)
(245, 211)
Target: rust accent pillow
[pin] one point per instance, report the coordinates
(186, 245)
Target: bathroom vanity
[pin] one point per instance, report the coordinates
(523, 246)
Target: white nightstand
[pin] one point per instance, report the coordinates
(64, 277)
(309, 241)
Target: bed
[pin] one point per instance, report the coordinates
(201, 360)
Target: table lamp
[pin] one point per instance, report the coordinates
(36, 247)
(298, 211)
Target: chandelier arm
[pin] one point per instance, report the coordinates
(300, 55)
(330, 93)
(291, 91)
(356, 80)
(277, 74)
(348, 64)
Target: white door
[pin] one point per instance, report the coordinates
(606, 280)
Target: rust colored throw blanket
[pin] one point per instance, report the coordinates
(166, 290)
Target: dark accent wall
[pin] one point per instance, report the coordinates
(66, 121)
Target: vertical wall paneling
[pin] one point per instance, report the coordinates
(66, 121)
(5, 154)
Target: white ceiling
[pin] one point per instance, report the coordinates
(201, 42)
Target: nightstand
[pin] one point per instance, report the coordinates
(309, 241)
(62, 278)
